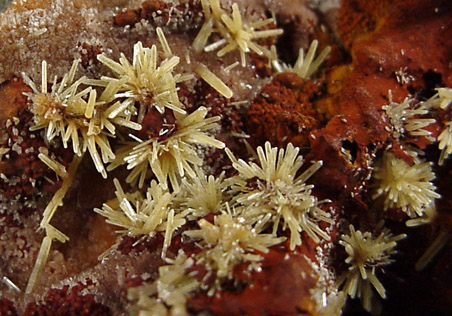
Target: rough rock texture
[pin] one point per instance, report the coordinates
(59, 31)
(284, 105)
(382, 39)
(403, 46)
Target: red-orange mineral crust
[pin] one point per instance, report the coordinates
(150, 10)
(274, 291)
(345, 129)
(356, 92)
(385, 37)
(67, 302)
(12, 100)
(282, 112)
(7, 308)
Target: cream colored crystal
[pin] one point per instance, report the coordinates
(235, 33)
(276, 195)
(366, 254)
(173, 157)
(304, 67)
(404, 186)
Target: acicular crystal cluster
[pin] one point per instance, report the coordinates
(89, 118)
(235, 33)
(218, 223)
(405, 186)
(272, 193)
(367, 253)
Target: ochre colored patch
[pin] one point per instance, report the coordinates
(283, 113)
